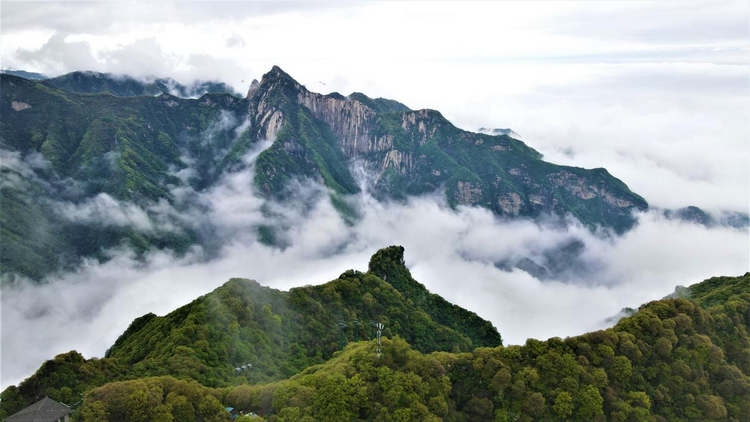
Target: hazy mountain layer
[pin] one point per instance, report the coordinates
(122, 85)
(23, 74)
(80, 170)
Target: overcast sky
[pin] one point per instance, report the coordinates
(657, 93)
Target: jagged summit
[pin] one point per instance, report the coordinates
(282, 333)
(405, 153)
(254, 85)
(412, 152)
(277, 71)
(389, 265)
(276, 74)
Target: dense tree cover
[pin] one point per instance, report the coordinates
(388, 264)
(64, 379)
(127, 148)
(717, 290)
(282, 333)
(672, 360)
(158, 399)
(279, 333)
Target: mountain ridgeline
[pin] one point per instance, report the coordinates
(413, 152)
(89, 82)
(87, 136)
(279, 333)
(685, 358)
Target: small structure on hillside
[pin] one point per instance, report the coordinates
(45, 410)
(247, 367)
(233, 413)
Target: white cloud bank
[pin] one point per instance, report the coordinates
(451, 251)
(636, 88)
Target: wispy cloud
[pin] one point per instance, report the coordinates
(637, 88)
(453, 252)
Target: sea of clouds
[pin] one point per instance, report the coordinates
(634, 87)
(466, 255)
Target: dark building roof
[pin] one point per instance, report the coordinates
(45, 410)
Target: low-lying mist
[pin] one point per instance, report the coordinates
(467, 255)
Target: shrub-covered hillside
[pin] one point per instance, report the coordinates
(279, 333)
(673, 360)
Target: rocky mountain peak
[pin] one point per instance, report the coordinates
(254, 85)
(275, 75)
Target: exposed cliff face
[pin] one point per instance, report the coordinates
(254, 85)
(418, 151)
(350, 121)
(468, 193)
(19, 106)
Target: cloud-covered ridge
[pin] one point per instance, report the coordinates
(467, 255)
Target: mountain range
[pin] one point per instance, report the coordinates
(88, 140)
(276, 355)
(88, 82)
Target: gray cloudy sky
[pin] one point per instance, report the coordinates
(656, 92)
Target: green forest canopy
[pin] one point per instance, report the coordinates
(675, 359)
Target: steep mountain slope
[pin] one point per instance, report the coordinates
(126, 151)
(675, 359)
(410, 152)
(279, 333)
(64, 147)
(672, 360)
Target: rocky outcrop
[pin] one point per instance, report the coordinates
(584, 189)
(254, 85)
(468, 193)
(420, 124)
(510, 203)
(402, 163)
(428, 153)
(349, 120)
(19, 105)
(271, 123)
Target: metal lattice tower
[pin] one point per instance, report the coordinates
(356, 325)
(378, 328)
(380, 333)
(341, 334)
(373, 324)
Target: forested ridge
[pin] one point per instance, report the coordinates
(279, 333)
(684, 358)
(86, 137)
